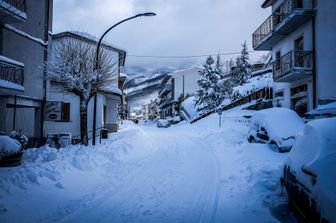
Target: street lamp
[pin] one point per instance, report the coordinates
(97, 66)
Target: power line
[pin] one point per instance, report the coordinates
(185, 56)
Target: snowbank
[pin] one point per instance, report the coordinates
(188, 106)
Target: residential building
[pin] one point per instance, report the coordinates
(166, 96)
(25, 28)
(153, 109)
(300, 34)
(62, 107)
(176, 86)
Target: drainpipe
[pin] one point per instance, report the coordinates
(14, 118)
(314, 64)
(45, 58)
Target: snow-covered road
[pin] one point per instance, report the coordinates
(178, 183)
(186, 173)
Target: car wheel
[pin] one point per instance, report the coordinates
(251, 140)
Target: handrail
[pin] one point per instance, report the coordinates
(279, 15)
(291, 60)
(265, 93)
(11, 72)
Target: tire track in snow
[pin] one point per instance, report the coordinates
(154, 189)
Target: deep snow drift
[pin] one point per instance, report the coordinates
(186, 173)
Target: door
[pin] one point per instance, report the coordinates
(104, 116)
(298, 52)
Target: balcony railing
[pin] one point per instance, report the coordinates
(294, 61)
(11, 72)
(278, 16)
(19, 4)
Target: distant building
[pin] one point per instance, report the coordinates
(300, 34)
(25, 28)
(62, 107)
(177, 84)
(153, 109)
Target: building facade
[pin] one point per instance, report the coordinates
(299, 34)
(62, 108)
(25, 28)
(176, 86)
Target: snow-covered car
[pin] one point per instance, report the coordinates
(9, 146)
(309, 177)
(275, 126)
(162, 123)
(323, 111)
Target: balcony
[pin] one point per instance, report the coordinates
(11, 74)
(165, 102)
(293, 66)
(12, 11)
(287, 18)
(167, 88)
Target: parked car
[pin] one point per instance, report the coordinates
(275, 126)
(10, 150)
(309, 177)
(162, 123)
(323, 111)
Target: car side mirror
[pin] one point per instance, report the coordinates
(310, 173)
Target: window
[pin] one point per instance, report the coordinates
(65, 113)
(299, 89)
(298, 43)
(57, 111)
(277, 60)
(278, 94)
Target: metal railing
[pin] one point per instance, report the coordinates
(12, 73)
(264, 93)
(19, 4)
(290, 61)
(278, 16)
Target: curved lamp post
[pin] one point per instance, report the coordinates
(97, 66)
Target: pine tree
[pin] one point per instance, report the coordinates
(211, 92)
(206, 94)
(241, 71)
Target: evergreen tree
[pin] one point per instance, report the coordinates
(207, 95)
(241, 71)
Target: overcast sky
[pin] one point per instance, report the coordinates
(181, 27)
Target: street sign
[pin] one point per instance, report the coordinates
(219, 111)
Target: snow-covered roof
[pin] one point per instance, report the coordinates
(112, 90)
(90, 38)
(267, 3)
(183, 71)
(255, 83)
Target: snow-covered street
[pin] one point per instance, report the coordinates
(185, 173)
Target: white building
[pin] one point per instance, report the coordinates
(181, 83)
(62, 108)
(300, 34)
